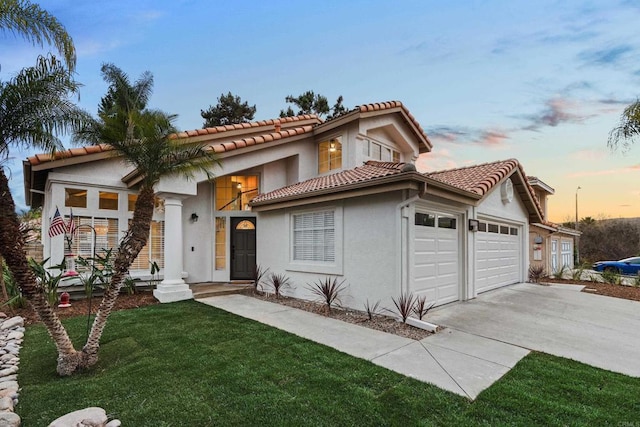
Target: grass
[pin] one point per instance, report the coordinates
(190, 364)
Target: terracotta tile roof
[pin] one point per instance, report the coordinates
(65, 154)
(480, 179)
(477, 179)
(259, 139)
(388, 105)
(370, 170)
(267, 137)
(271, 122)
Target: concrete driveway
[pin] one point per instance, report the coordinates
(597, 330)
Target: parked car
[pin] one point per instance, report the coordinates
(624, 266)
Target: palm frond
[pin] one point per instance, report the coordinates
(35, 107)
(37, 26)
(628, 130)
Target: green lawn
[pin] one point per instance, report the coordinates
(187, 364)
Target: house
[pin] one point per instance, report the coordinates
(552, 245)
(307, 198)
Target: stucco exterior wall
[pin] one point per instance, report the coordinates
(369, 242)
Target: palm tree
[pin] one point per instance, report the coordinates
(37, 26)
(34, 109)
(142, 138)
(628, 129)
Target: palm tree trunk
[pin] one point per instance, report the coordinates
(12, 249)
(135, 239)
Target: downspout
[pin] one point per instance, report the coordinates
(403, 232)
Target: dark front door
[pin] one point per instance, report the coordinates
(243, 248)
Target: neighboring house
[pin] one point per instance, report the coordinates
(552, 245)
(308, 198)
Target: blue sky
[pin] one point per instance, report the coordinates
(543, 82)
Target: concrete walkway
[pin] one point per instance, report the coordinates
(454, 360)
(596, 330)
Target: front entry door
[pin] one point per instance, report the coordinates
(243, 248)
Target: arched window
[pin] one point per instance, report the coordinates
(245, 225)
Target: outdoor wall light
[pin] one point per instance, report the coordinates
(194, 217)
(473, 224)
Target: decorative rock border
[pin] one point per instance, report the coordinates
(11, 336)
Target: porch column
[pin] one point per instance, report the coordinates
(172, 288)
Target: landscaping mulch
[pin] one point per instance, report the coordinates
(606, 289)
(379, 321)
(81, 307)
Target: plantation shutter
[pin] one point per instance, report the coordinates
(314, 237)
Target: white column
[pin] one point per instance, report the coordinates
(172, 288)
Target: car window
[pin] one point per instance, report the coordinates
(634, 260)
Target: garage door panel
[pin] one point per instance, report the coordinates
(436, 260)
(498, 259)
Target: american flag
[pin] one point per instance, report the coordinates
(71, 225)
(57, 225)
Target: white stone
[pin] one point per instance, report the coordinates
(96, 417)
(114, 423)
(6, 404)
(9, 385)
(9, 371)
(15, 335)
(9, 419)
(13, 377)
(12, 323)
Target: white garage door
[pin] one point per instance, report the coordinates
(498, 255)
(436, 257)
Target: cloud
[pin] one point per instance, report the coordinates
(491, 137)
(628, 169)
(608, 56)
(556, 111)
(463, 135)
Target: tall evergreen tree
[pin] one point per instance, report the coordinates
(228, 111)
(312, 103)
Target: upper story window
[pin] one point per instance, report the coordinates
(75, 198)
(330, 155)
(107, 200)
(375, 151)
(233, 193)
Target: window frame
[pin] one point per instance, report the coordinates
(323, 267)
(330, 166)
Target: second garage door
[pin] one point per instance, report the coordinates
(436, 257)
(498, 255)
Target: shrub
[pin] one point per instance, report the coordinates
(536, 273)
(278, 282)
(420, 307)
(257, 275)
(404, 304)
(328, 290)
(371, 310)
(48, 281)
(576, 273)
(15, 298)
(559, 273)
(636, 281)
(611, 276)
